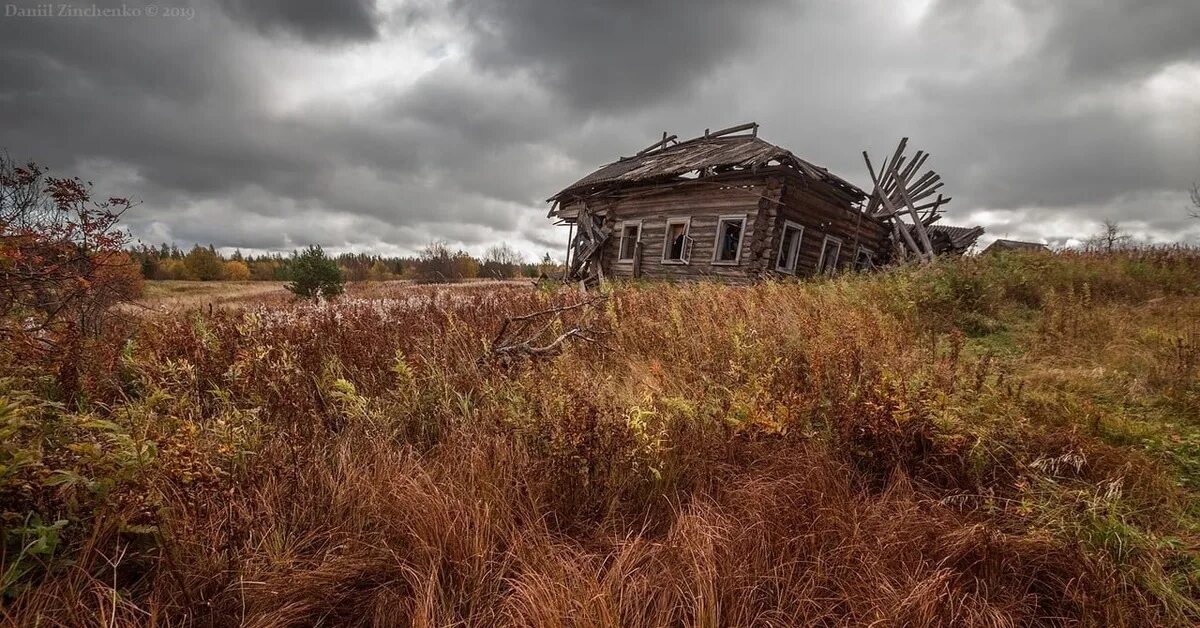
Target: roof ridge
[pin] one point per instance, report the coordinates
(655, 150)
(738, 147)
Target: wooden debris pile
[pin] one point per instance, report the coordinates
(585, 249)
(900, 192)
(544, 332)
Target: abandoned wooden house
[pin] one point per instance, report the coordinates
(731, 205)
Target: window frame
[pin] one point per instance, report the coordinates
(795, 261)
(836, 256)
(685, 253)
(870, 259)
(737, 257)
(621, 241)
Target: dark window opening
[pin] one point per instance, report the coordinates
(864, 260)
(729, 239)
(677, 242)
(789, 247)
(829, 255)
(630, 234)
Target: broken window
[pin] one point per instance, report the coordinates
(729, 239)
(677, 247)
(864, 260)
(789, 247)
(631, 234)
(830, 249)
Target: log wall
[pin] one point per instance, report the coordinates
(823, 211)
(703, 203)
(765, 199)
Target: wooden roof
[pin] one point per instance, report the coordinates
(1015, 245)
(961, 237)
(719, 151)
(949, 238)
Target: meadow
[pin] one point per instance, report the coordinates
(993, 441)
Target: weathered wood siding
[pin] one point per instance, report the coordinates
(704, 203)
(766, 199)
(823, 211)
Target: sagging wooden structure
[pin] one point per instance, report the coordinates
(1004, 246)
(730, 205)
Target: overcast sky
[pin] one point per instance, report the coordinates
(378, 126)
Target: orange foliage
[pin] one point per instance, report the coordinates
(237, 271)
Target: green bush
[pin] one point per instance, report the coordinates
(315, 275)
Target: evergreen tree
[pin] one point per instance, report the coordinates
(314, 275)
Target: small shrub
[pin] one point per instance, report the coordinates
(314, 275)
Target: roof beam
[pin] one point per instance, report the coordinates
(749, 126)
(657, 145)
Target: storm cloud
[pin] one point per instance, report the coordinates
(315, 20)
(379, 126)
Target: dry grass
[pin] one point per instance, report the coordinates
(177, 296)
(171, 295)
(985, 443)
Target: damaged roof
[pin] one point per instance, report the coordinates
(720, 151)
(960, 237)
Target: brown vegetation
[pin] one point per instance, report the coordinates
(982, 442)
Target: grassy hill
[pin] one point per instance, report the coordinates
(1008, 440)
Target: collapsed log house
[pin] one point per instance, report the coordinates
(730, 205)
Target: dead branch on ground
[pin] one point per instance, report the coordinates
(534, 334)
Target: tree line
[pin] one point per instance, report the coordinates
(436, 262)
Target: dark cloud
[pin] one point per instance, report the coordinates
(615, 54)
(1119, 36)
(424, 120)
(322, 21)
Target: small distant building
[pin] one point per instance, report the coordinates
(1003, 246)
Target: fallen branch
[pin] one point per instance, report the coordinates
(516, 339)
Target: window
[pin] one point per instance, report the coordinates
(678, 246)
(631, 234)
(830, 250)
(729, 239)
(789, 247)
(864, 260)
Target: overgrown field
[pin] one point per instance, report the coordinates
(173, 296)
(985, 442)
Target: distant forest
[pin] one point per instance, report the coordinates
(437, 262)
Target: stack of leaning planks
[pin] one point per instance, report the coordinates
(901, 192)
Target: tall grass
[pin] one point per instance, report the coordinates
(988, 442)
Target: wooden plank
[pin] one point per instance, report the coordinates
(917, 226)
(733, 129)
(659, 144)
(887, 203)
